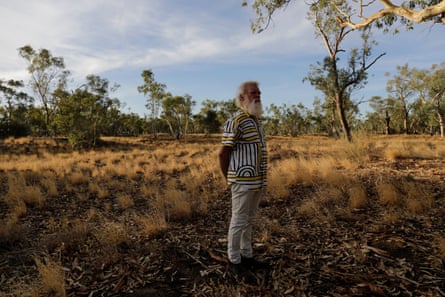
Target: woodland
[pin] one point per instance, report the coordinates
(414, 103)
(96, 202)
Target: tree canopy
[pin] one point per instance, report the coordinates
(382, 13)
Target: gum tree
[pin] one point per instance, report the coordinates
(13, 102)
(400, 90)
(84, 114)
(334, 77)
(47, 75)
(177, 112)
(384, 13)
(155, 93)
(381, 13)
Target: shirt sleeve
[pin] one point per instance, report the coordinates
(230, 133)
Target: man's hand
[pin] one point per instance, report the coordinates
(224, 159)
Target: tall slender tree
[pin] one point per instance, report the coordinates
(156, 93)
(47, 75)
(401, 91)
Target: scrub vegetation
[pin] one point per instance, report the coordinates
(148, 217)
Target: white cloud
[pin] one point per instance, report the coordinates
(98, 36)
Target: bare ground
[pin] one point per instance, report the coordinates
(355, 253)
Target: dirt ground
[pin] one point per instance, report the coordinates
(356, 253)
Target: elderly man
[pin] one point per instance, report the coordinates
(243, 161)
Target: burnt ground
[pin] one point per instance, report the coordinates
(354, 253)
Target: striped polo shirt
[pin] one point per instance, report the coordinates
(248, 161)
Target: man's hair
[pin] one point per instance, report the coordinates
(242, 90)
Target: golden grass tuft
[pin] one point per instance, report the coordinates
(51, 277)
(112, 233)
(151, 224)
(50, 186)
(309, 208)
(20, 195)
(418, 199)
(125, 201)
(388, 194)
(10, 230)
(78, 178)
(176, 203)
(278, 182)
(357, 196)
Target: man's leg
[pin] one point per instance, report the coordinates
(238, 222)
(253, 201)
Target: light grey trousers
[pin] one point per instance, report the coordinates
(244, 208)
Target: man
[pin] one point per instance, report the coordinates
(243, 161)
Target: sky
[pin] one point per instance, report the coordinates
(203, 48)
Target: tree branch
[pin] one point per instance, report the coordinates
(390, 8)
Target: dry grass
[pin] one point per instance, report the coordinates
(111, 190)
(418, 199)
(125, 201)
(151, 224)
(357, 196)
(388, 194)
(20, 195)
(51, 277)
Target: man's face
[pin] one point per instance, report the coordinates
(252, 100)
(252, 94)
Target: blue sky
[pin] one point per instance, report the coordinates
(198, 47)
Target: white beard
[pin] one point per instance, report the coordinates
(255, 109)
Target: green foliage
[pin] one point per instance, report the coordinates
(14, 104)
(415, 102)
(284, 120)
(347, 9)
(155, 92)
(124, 124)
(207, 123)
(177, 112)
(83, 115)
(47, 75)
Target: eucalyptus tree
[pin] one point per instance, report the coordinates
(336, 80)
(362, 13)
(47, 75)
(383, 111)
(384, 13)
(11, 97)
(177, 113)
(84, 114)
(401, 92)
(436, 93)
(155, 92)
(430, 87)
(285, 120)
(207, 120)
(223, 109)
(14, 104)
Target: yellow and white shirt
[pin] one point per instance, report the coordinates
(248, 161)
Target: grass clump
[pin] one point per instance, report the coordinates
(51, 277)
